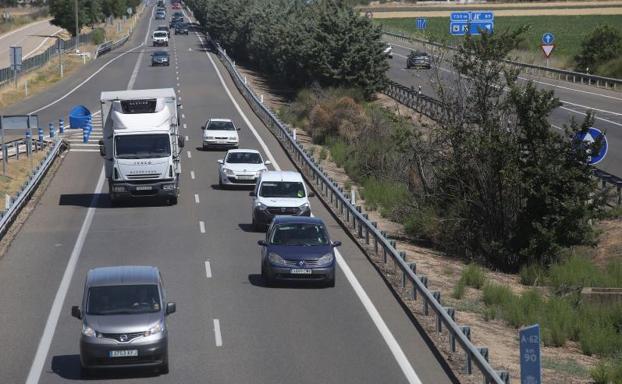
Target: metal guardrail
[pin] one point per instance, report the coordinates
(554, 73)
(7, 217)
(433, 108)
(108, 46)
(365, 229)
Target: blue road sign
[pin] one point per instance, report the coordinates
(422, 23)
(590, 137)
(548, 38)
(462, 23)
(530, 369)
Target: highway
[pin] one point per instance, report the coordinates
(229, 327)
(31, 45)
(576, 99)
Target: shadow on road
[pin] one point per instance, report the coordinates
(258, 281)
(101, 200)
(68, 367)
(248, 228)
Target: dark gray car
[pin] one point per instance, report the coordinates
(123, 317)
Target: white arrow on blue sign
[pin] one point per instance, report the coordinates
(591, 136)
(548, 38)
(422, 23)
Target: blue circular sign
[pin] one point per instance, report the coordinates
(548, 38)
(590, 137)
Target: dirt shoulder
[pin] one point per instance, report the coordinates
(565, 365)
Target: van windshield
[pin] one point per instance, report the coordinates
(282, 189)
(123, 299)
(160, 34)
(142, 146)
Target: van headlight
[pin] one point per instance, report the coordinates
(159, 327)
(326, 259)
(304, 207)
(228, 172)
(260, 205)
(276, 259)
(87, 330)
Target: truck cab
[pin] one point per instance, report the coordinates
(141, 144)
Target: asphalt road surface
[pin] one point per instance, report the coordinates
(293, 334)
(577, 99)
(31, 45)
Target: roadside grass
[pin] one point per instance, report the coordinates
(568, 36)
(608, 371)
(474, 276)
(577, 270)
(566, 366)
(17, 172)
(385, 196)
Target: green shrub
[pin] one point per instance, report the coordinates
(613, 277)
(339, 151)
(601, 373)
(98, 36)
(323, 154)
(495, 294)
(559, 322)
(490, 313)
(532, 274)
(458, 291)
(423, 224)
(575, 272)
(600, 330)
(474, 276)
(388, 196)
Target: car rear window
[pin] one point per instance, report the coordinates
(123, 299)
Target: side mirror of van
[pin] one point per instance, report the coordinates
(221, 161)
(76, 312)
(102, 148)
(203, 127)
(171, 308)
(267, 162)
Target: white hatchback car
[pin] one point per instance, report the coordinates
(241, 167)
(219, 133)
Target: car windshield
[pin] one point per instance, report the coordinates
(160, 34)
(220, 126)
(160, 53)
(282, 189)
(244, 158)
(123, 299)
(142, 146)
(299, 234)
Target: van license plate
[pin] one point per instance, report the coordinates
(300, 271)
(125, 353)
(143, 188)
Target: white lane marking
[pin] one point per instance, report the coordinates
(187, 139)
(595, 117)
(388, 337)
(41, 44)
(196, 198)
(190, 49)
(96, 72)
(192, 175)
(202, 226)
(179, 98)
(181, 106)
(59, 299)
(177, 78)
(208, 270)
(83, 150)
(178, 84)
(217, 335)
(185, 125)
(237, 107)
(189, 154)
(183, 115)
(593, 109)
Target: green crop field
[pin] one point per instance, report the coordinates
(569, 31)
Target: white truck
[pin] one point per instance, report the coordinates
(141, 143)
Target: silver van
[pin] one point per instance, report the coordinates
(123, 317)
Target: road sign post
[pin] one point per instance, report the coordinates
(530, 367)
(471, 22)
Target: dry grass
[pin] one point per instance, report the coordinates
(505, 12)
(17, 173)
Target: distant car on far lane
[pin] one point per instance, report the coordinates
(160, 58)
(181, 29)
(298, 248)
(241, 167)
(418, 59)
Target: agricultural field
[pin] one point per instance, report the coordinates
(569, 30)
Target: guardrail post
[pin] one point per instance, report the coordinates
(504, 375)
(375, 224)
(413, 268)
(466, 330)
(424, 281)
(402, 255)
(384, 249)
(366, 216)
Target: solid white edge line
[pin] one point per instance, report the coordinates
(196, 198)
(202, 226)
(41, 44)
(384, 330)
(217, 335)
(208, 270)
(189, 154)
(192, 175)
(94, 73)
(50, 326)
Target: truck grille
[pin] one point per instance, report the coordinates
(143, 176)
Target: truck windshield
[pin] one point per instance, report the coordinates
(142, 146)
(123, 299)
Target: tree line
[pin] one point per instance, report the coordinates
(298, 42)
(90, 12)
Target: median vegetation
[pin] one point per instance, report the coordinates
(297, 42)
(90, 12)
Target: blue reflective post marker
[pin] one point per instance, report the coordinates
(422, 23)
(530, 369)
(591, 136)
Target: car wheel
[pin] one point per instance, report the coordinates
(330, 283)
(85, 372)
(220, 184)
(267, 280)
